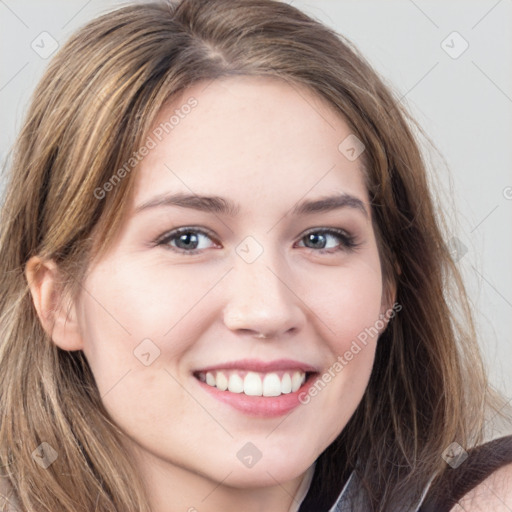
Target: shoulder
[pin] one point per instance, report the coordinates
(485, 474)
(494, 493)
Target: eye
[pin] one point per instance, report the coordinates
(318, 240)
(185, 240)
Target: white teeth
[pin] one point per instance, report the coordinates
(286, 383)
(236, 384)
(253, 383)
(221, 382)
(296, 381)
(271, 385)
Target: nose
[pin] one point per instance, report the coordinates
(261, 300)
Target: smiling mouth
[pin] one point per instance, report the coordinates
(250, 383)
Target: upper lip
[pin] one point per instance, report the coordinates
(256, 365)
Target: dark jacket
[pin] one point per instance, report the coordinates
(481, 462)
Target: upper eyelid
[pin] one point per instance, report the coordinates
(184, 229)
(205, 231)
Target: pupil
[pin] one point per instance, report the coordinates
(186, 238)
(315, 237)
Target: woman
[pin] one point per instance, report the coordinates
(221, 291)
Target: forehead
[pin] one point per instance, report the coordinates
(251, 138)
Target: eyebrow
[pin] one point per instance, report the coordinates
(223, 206)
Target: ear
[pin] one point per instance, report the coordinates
(57, 315)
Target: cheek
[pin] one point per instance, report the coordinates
(124, 345)
(348, 303)
(127, 304)
(138, 323)
(348, 312)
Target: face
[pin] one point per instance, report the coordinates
(186, 288)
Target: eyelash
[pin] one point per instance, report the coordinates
(348, 241)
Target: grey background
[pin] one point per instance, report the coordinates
(463, 103)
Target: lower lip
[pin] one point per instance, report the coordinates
(262, 406)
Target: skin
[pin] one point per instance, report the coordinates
(264, 145)
(494, 493)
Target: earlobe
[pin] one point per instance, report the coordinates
(57, 316)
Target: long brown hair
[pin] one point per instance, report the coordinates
(91, 110)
